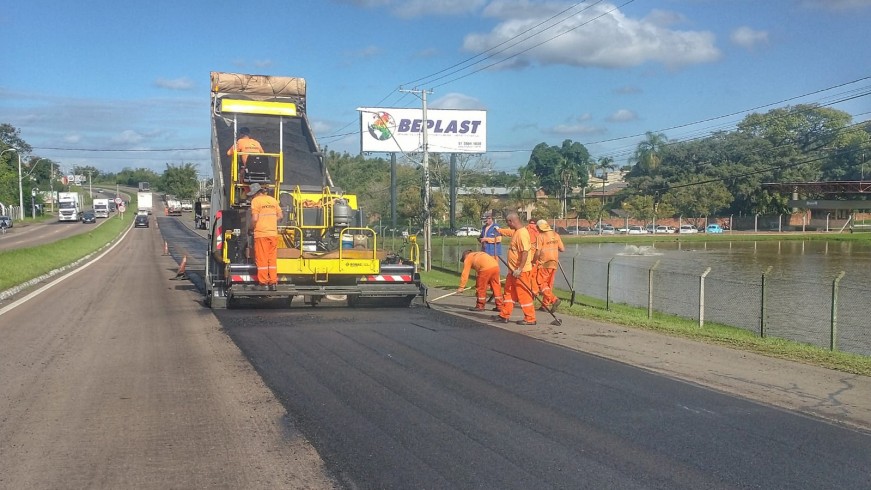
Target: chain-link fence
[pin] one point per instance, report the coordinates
(822, 312)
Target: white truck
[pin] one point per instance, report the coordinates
(144, 202)
(101, 208)
(173, 206)
(69, 206)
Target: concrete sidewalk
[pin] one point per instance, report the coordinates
(818, 392)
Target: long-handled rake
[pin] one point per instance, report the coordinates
(556, 321)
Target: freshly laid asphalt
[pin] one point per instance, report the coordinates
(818, 392)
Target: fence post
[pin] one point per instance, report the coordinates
(608, 286)
(444, 259)
(702, 297)
(572, 285)
(833, 339)
(650, 290)
(762, 304)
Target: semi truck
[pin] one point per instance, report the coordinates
(173, 206)
(144, 202)
(101, 208)
(69, 206)
(325, 249)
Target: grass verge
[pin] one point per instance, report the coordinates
(736, 338)
(23, 264)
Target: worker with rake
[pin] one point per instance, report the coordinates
(518, 287)
(487, 271)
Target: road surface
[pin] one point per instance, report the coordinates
(118, 377)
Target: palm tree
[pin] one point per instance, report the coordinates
(647, 155)
(604, 164)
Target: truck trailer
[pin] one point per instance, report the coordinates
(144, 202)
(325, 246)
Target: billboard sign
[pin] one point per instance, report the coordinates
(393, 130)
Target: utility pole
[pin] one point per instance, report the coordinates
(427, 218)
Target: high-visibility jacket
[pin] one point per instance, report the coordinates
(246, 144)
(480, 261)
(548, 246)
(491, 240)
(265, 213)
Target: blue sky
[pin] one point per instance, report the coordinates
(108, 75)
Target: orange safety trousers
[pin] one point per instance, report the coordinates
(518, 290)
(546, 278)
(266, 259)
(488, 279)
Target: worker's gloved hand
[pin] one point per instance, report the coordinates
(516, 272)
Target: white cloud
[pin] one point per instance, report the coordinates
(457, 101)
(599, 35)
(183, 83)
(366, 52)
(748, 38)
(622, 115)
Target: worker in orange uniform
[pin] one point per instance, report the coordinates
(547, 248)
(265, 214)
(245, 144)
(532, 229)
(518, 287)
(487, 271)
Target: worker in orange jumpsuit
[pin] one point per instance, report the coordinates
(532, 229)
(547, 249)
(265, 213)
(487, 271)
(518, 287)
(245, 144)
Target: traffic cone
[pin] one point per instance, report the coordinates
(165, 248)
(181, 267)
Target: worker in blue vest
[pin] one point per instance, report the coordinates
(491, 239)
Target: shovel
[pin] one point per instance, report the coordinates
(446, 295)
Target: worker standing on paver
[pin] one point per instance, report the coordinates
(487, 270)
(518, 287)
(547, 249)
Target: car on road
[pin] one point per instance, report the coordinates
(713, 228)
(606, 230)
(89, 217)
(468, 231)
(141, 221)
(661, 229)
(578, 230)
(6, 220)
(636, 230)
(687, 229)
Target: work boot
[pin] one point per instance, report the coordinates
(524, 322)
(498, 318)
(555, 304)
(475, 308)
(273, 287)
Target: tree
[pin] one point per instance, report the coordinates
(556, 166)
(180, 181)
(648, 154)
(697, 200)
